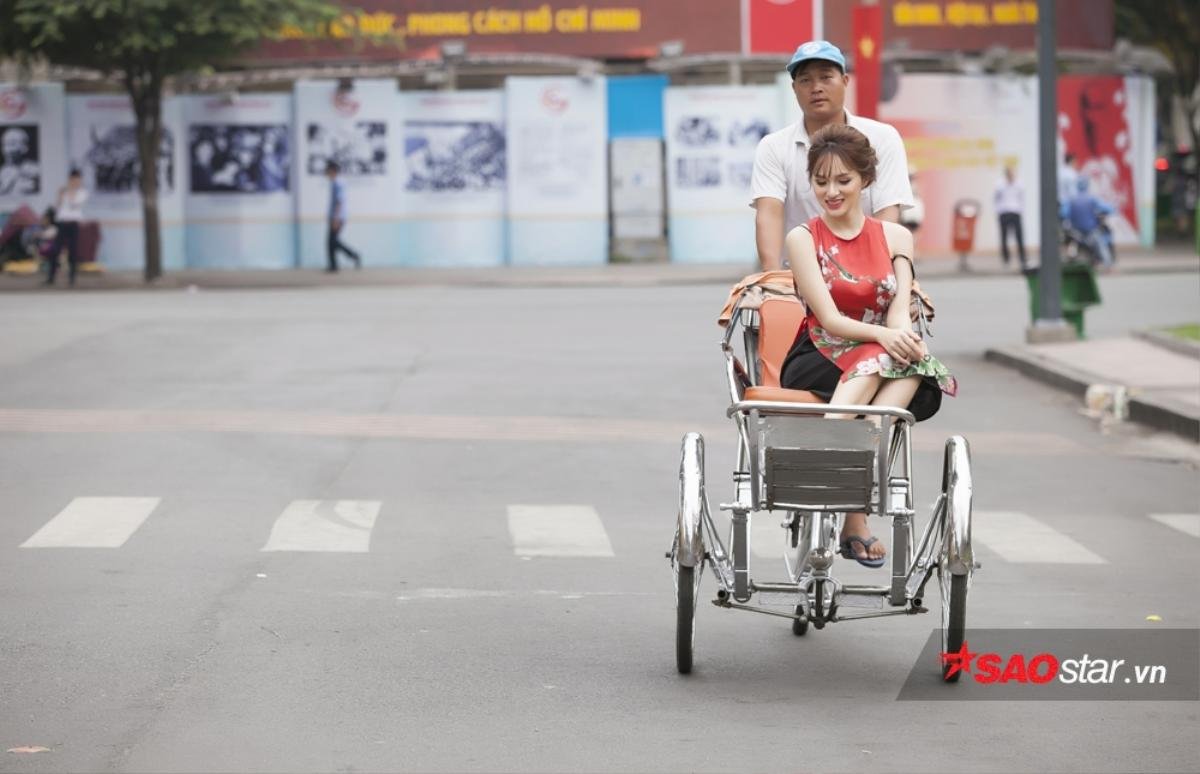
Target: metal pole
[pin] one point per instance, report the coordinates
(1049, 324)
(1050, 303)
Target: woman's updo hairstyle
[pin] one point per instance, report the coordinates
(846, 143)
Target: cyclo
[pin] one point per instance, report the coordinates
(793, 458)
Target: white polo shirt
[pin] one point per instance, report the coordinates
(781, 171)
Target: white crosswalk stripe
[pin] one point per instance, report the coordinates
(1187, 523)
(557, 530)
(324, 525)
(1020, 538)
(94, 522)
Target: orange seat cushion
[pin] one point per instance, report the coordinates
(779, 322)
(780, 394)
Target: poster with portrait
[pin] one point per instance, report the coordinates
(239, 197)
(32, 145)
(102, 145)
(454, 177)
(353, 124)
(711, 135)
(557, 170)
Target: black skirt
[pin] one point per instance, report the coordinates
(805, 368)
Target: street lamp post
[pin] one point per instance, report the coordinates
(1049, 324)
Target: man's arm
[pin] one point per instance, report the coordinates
(890, 213)
(768, 232)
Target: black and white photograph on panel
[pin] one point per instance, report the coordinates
(20, 160)
(454, 155)
(112, 158)
(238, 158)
(359, 149)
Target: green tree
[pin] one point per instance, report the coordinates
(1172, 27)
(142, 43)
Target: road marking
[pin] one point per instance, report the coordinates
(94, 522)
(1187, 523)
(557, 530)
(1022, 539)
(324, 525)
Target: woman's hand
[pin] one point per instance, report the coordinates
(905, 346)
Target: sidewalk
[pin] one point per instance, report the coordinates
(1159, 375)
(1169, 259)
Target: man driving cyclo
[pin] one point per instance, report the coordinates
(828, 192)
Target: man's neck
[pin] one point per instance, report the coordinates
(812, 126)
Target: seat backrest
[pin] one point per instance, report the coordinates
(779, 322)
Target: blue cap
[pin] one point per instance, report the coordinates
(816, 49)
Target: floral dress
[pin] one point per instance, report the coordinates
(858, 273)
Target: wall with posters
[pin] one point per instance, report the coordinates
(240, 197)
(359, 129)
(957, 156)
(1107, 122)
(33, 135)
(558, 171)
(711, 135)
(102, 144)
(453, 178)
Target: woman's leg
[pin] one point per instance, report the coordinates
(860, 390)
(897, 393)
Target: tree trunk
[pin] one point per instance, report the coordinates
(145, 91)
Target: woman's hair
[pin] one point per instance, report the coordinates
(846, 143)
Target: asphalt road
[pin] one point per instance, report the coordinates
(407, 428)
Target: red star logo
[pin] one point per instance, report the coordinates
(958, 661)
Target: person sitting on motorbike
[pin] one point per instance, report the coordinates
(1084, 213)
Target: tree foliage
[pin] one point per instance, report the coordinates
(142, 43)
(1172, 27)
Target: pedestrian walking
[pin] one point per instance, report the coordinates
(68, 215)
(782, 196)
(337, 220)
(1010, 203)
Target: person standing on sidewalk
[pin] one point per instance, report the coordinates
(1010, 203)
(68, 216)
(782, 195)
(337, 220)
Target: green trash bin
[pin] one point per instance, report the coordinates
(1079, 291)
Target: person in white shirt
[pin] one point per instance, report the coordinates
(1010, 203)
(1067, 175)
(780, 190)
(68, 217)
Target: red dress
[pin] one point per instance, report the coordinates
(859, 275)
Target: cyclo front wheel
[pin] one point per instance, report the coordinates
(954, 617)
(685, 617)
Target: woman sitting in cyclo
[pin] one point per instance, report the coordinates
(855, 274)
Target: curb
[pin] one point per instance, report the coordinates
(1167, 341)
(1143, 409)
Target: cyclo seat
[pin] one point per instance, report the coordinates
(779, 322)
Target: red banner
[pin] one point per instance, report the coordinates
(779, 26)
(1091, 119)
(867, 37)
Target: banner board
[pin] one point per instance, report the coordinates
(711, 134)
(558, 171)
(102, 145)
(240, 196)
(357, 126)
(454, 177)
(33, 136)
